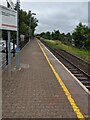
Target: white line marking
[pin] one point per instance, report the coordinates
(86, 90)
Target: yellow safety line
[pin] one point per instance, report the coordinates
(80, 116)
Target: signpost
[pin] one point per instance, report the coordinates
(8, 22)
(17, 54)
(9, 56)
(8, 19)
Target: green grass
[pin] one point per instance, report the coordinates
(83, 54)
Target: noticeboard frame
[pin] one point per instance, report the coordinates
(8, 19)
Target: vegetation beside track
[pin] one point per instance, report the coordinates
(83, 54)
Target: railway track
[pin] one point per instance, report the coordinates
(76, 69)
(76, 61)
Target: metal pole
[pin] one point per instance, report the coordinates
(30, 26)
(17, 53)
(89, 14)
(7, 51)
(9, 56)
(29, 30)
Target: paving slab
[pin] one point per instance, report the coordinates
(33, 91)
(80, 96)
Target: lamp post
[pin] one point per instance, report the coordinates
(17, 49)
(30, 30)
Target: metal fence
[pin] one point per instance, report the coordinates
(4, 55)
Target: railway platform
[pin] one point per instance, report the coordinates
(42, 88)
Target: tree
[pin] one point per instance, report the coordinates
(80, 35)
(47, 35)
(62, 37)
(87, 41)
(42, 34)
(68, 38)
(32, 22)
(57, 34)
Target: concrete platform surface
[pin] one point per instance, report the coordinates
(80, 96)
(34, 92)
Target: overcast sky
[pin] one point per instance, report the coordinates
(63, 16)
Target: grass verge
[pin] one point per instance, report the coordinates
(83, 54)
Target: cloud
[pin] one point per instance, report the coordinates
(1, 1)
(63, 16)
(59, 15)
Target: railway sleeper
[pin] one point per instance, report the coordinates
(88, 87)
(74, 69)
(78, 75)
(75, 72)
(85, 83)
(82, 78)
(69, 67)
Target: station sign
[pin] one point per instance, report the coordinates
(8, 19)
